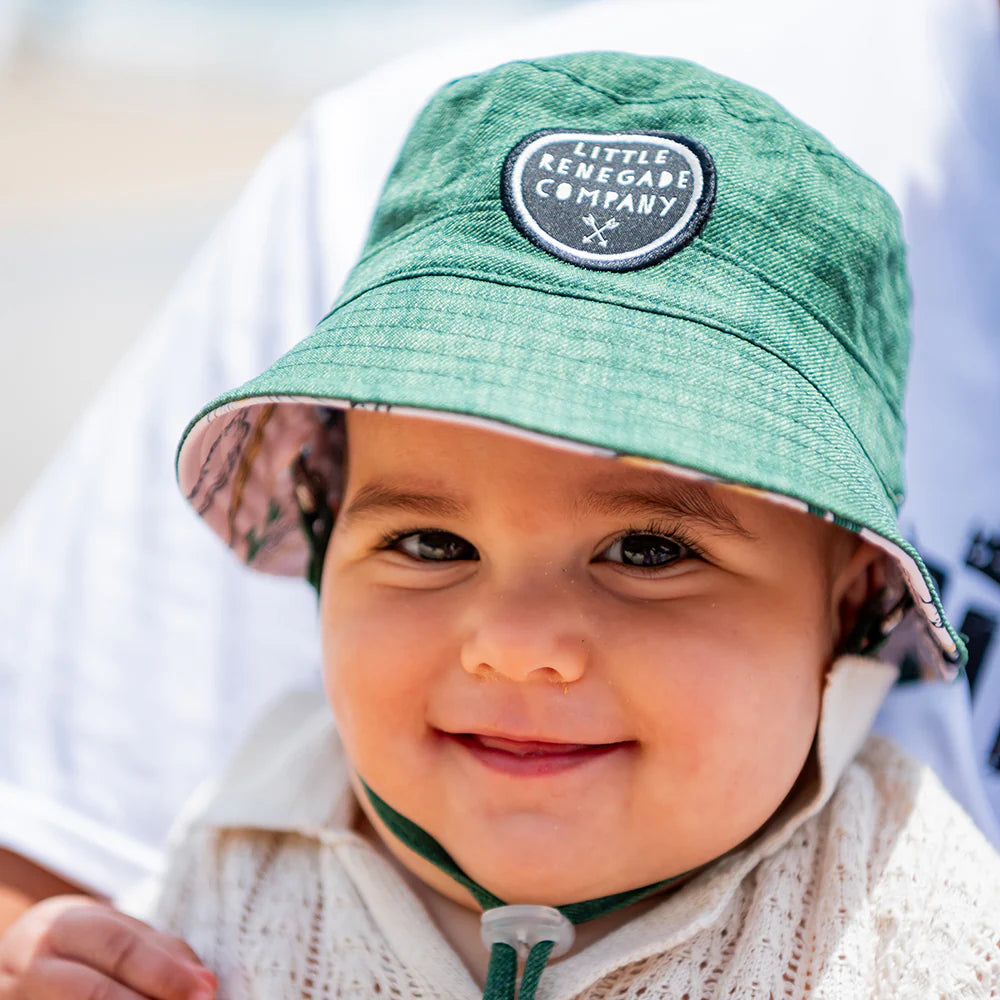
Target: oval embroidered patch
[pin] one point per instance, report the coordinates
(611, 201)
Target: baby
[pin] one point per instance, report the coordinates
(595, 466)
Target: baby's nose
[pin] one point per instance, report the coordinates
(527, 635)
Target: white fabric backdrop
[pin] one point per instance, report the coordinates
(134, 651)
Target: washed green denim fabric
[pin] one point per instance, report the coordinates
(769, 351)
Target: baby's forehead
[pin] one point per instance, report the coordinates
(398, 461)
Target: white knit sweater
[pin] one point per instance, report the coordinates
(879, 887)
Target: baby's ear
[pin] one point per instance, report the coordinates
(867, 594)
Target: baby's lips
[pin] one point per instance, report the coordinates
(533, 748)
(544, 744)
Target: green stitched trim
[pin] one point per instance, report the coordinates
(845, 522)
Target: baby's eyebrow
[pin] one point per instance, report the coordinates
(377, 498)
(680, 501)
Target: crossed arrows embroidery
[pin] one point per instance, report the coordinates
(598, 234)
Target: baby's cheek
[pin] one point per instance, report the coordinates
(379, 666)
(734, 730)
(773, 725)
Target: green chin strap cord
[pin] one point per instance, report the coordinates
(531, 934)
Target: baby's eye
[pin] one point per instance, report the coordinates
(436, 546)
(645, 549)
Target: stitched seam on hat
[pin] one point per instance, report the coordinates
(698, 244)
(941, 622)
(406, 231)
(483, 206)
(638, 307)
(757, 483)
(793, 124)
(705, 247)
(369, 366)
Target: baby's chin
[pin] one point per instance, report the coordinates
(557, 870)
(536, 858)
(530, 865)
(554, 848)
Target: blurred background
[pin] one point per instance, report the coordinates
(127, 127)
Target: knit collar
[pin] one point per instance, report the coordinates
(257, 793)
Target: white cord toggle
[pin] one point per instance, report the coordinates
(522, 927)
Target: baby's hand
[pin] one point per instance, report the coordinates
(75, 948)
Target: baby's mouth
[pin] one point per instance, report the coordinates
(532, 757)
(527, 748)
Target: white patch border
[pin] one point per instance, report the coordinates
(528, 220)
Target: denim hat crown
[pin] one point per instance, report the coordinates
(631, 254)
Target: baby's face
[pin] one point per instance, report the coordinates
(580, 676)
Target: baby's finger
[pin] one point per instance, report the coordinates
(131, 953)
(180, 950)
(50, 978)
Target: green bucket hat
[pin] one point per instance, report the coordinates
(632, 255)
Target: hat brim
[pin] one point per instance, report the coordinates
(620, 380)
